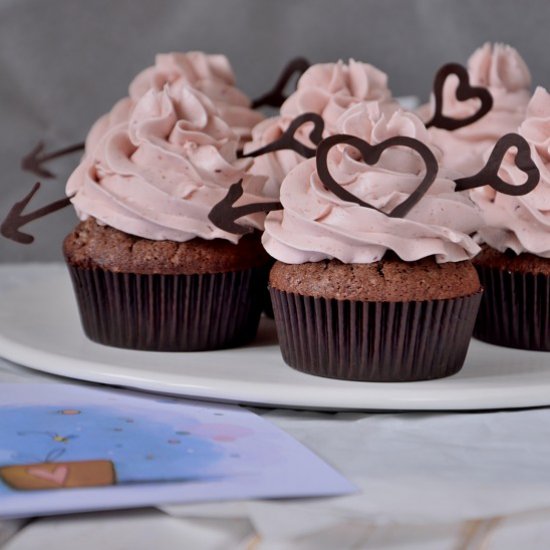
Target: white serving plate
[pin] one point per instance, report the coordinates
(40, 328)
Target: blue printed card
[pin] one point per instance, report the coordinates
(66, 448)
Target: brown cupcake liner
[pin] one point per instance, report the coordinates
(515, 309)
(374, 341)
(268, 306)
(169, 312)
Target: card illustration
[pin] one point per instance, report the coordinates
(70, 448)
(95, 446)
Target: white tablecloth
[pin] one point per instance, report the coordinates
(428, 481)
(479, 480)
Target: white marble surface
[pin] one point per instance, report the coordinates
(427, 480)
(477, 480)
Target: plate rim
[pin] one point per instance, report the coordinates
(399, 398)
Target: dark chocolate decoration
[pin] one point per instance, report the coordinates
(35, 159)
(16, 219)
(224, 214)
(288, 141)
(488, 175)
(371, 154)
(275, 97)
(464, 92)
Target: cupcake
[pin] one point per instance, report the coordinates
(326, 89)
(501, 70)
(360, 293)
(514, 264)
(149, 269)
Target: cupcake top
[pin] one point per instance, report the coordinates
(501, 70)
(158, 172)
(521, 223)
(327, 89)
(210, 74)
(315, 224)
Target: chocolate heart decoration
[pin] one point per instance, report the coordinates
(488, 175)
(371, 154)
(224, 214)
(275, 97)
(288, 141)
(463, 93)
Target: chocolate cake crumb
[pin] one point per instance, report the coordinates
(510, 261)
(92, 245)
(389, 280)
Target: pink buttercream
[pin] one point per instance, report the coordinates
(501, 69)
(210, 74)
(158, 174)
(326, 89)
(522, 223)
(317, 225)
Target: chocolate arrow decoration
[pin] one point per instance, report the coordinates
(33, 161)
(224, 214)
(488, 175)
(464, 92)
(371, 154)
(15, 219)
(276, 97)
(288, 141)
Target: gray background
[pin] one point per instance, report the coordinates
(65, 62)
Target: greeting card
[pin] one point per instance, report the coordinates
(67, 448)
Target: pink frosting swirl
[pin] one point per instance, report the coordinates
(158, 174)
(522, 223)
(210, 74)
(326, 89)
(317, 225)
(501, 69)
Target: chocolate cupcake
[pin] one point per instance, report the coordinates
(150, 270)
(165, 295)
(372, 283)
(326, 89)
(514, 265)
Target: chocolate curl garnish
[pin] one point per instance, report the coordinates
(35, 159)
(464, 92)
(288, 141)
(276, 97)
(16, 219)
(371, 154)
(488, 175)
(224, 214)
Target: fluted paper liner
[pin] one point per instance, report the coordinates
(268, 306)
(374, 341)
(515, 309)
(169, 312)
